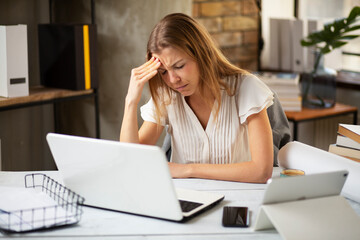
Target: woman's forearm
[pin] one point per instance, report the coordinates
(129, 128)
(139, 77)
(239, 172)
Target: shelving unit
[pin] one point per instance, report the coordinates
(67, 95)
(42, 95)
(26, 150)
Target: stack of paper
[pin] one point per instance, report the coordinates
(286, 86)
(25, 209)
(347, 142)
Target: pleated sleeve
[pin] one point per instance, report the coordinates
(252, 96)
(148, 113)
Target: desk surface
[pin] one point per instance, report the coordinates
(40, 93)
(100, 224)
(310, 114)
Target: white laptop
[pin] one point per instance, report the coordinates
(125, 177)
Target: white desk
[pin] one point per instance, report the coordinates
(100, 224)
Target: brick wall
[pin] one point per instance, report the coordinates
(234, 26)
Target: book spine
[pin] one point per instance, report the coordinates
(348, 133)
(79, 55)
(93, 56)
(347, 142)
(348, 152)
(86, 45)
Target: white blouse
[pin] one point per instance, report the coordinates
(223, 141)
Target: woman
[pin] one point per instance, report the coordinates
(215, 112)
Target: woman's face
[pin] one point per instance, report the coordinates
(179, 71)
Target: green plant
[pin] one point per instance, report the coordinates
(334, 35)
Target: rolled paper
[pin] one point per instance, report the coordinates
(311, 160)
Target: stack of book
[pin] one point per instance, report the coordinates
(347, 142)
(286, 86)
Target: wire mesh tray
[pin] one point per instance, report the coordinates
(59, 206)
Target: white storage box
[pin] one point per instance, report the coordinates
(14, 74)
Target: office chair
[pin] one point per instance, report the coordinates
(279, 125)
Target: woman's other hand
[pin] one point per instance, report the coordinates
(178, 170)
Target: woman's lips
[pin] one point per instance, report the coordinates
(181, 88)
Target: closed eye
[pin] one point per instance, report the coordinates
(180, 67)
(163, 72)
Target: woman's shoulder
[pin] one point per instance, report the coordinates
(252, 96)
(242, 80)
(249, 78)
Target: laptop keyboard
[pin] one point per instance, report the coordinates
(187, 206)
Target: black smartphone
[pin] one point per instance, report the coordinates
(235, 217)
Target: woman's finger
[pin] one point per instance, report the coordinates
(146, 64)
(149, 76)
(153, 67)
(139, 76)
(141, 71)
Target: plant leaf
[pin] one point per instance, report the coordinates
(316, 37)
(325, 49)
(339, 24)
(348, 37)
(306, 43)
(355, 12)
(334, 33)
(352, 28)
(338, 44)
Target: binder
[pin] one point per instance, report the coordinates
(14, 76)
(274, 62)
(68, 56)
(285, 45)
(298, 50)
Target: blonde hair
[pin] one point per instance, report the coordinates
(186, 34)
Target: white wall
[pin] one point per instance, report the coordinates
(124, 28)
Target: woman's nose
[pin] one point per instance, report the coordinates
(173, 77)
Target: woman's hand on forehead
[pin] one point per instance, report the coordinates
(139, 76)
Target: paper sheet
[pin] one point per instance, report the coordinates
(38, 210)
(313, 160)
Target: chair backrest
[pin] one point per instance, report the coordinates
(279, 125)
